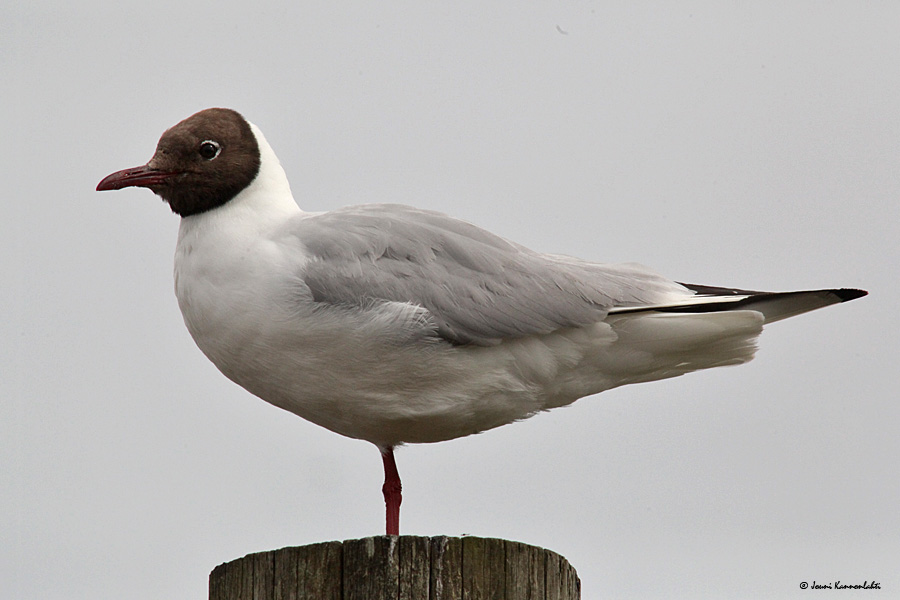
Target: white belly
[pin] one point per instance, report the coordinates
(347, 370)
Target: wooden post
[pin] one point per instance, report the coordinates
(399, 568)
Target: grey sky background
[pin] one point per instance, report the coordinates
(754, 146)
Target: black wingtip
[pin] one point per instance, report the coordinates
(847, 294)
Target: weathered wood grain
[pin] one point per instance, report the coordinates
(415, 568)
(399, 568)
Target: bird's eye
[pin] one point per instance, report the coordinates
(209, 149)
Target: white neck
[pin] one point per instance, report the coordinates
(270, 186)
(264, 203)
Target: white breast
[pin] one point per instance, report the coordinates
(238, 280)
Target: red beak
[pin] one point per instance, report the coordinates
(143, 176)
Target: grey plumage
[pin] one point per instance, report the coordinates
(478, 287)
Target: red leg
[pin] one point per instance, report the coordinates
(391, 490)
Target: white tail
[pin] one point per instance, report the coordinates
(716, 327)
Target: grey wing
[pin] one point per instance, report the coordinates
(477, 287)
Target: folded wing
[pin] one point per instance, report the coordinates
(478, 287)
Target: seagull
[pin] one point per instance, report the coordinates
(398, 325)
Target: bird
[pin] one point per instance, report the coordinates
(398, 325)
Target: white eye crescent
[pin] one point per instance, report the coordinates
(209, 149)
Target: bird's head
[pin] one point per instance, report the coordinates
(200, 163)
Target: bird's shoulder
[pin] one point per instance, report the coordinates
(401, 232)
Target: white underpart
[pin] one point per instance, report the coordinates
(238, 281)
